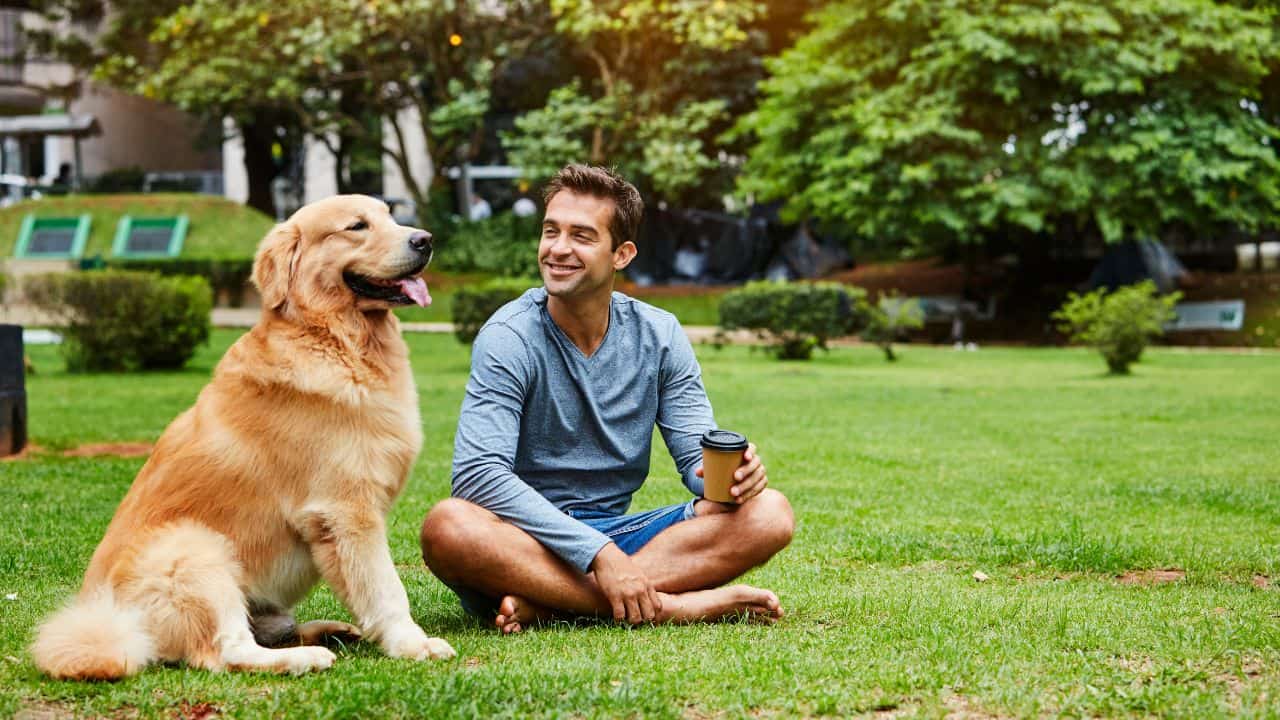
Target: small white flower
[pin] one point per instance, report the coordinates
(11, 596)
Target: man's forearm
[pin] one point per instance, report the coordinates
(503, 493)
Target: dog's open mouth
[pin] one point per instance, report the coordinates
(408, 289)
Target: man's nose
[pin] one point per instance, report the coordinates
(420, 241)
(560, 245)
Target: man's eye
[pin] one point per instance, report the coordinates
(358, 225)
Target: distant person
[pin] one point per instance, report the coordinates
(480, 209)
(64, 177)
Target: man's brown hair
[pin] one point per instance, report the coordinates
(605, 183)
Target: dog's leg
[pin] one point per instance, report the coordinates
(239, 651)
(273, 628)
(350, 549)
(187, 581)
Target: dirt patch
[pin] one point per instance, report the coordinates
(43, 710)
(960, 707)
(25, 454)
(125, 450)
(196, 711)
(1238, 683)
(1151, 577)
(1261, 582)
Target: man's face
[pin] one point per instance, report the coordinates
(576, 255)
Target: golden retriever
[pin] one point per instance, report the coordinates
(281, 474)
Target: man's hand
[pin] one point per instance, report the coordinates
(749, 480)
(625, 586)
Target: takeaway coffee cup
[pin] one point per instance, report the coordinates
(721, 455)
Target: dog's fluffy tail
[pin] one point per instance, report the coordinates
(94, 638)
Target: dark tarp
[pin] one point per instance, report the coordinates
(1133, 261)
(698, 246)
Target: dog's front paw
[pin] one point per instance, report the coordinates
(417, 646)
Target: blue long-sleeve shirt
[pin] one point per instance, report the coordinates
(545, 430)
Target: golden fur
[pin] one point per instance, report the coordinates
(281, 474)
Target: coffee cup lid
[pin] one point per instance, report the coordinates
(724, 440)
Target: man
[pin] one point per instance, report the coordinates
(567, 383)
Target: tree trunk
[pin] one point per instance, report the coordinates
(258, 136)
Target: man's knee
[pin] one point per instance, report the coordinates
(446, 532)
(770, 520)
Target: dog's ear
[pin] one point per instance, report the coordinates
(273, 266)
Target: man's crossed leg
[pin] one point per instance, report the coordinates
(687, 564)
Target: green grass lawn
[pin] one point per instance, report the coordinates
(219, 227)
(1028, 465)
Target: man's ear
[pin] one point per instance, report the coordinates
(272, 267)
(623, 256)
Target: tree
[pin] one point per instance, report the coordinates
(333, 64)
(933, 122)
(119, 37)
(661, 77)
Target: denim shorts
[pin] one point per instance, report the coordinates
(628, 532)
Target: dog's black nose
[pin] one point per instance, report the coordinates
(420, 240)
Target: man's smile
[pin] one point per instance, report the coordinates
(560, 268)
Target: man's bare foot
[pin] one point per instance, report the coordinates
(514, 612)
(722, 602)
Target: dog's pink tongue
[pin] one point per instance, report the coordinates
(416, 290)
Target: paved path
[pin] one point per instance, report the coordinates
(246, 318)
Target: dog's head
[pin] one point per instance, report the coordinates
(344, 252)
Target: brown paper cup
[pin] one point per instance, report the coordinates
(721, 455)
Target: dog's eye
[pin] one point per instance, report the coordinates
(358, 225)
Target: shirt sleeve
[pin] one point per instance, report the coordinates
(684, 412)
(484, 450)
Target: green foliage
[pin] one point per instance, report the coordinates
(503, 245)
(793, 318)
(662, 78)
(117, 320)
(226, 276)
(473, 305)
(890, 319)
(1119, 324)
(334, 64)
(121, 180)
(928, 122)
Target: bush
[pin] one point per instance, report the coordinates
(121, 180)
(118, 320)
(472, 306)
(503, 245)
(1119, 324)
(224, 275)
(793, 318)
(889, 319)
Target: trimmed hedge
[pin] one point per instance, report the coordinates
(472, 306)
(118, 320)
(794, 318)
(224, 275)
